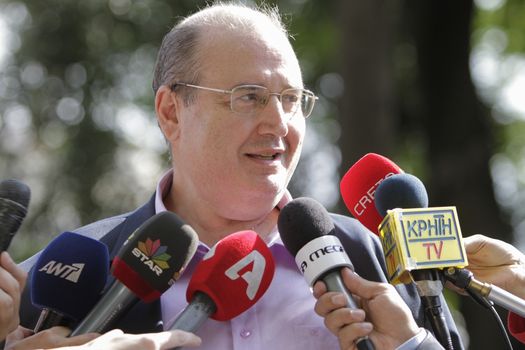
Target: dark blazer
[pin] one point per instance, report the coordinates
(363, 248)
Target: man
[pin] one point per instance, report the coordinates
(231, 103)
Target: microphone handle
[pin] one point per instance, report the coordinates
(432, 306)
(499, 296)
(334, 283)
(464, 279)
(116, 301)
(429, 287)
(50, 318)
(193, 316)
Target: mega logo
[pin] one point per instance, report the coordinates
(153, 255)
(332, 248)
(69, 272)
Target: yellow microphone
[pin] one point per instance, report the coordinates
(422, 238)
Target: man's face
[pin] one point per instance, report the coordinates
(240, 164)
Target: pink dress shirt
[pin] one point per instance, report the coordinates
(283, 318)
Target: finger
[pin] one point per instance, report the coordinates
(17, 335)
(319, 289)
(18, 273)
(53, 338)
(340, 318)
(362, 287)
(351, 333)
(328, 302)
(9, 284)
(178, 338)
(474, 244)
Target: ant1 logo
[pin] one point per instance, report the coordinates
(153, 255)
(69, 272)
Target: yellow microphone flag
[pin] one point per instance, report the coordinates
(424, 238)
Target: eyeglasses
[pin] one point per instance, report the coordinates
(251, 99)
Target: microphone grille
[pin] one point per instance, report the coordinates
(400, 191)
(302, 220)
(15, 191)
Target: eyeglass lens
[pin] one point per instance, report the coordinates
(247, 99)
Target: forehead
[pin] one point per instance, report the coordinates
(262, 55)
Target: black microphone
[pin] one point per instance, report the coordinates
(307, 231)
(14, 199)
(405, 191)
(150, 261)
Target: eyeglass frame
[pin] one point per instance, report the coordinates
(279, 95)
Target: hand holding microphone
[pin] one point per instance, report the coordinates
(307, 232)
(12, 282)
(384, 316)
(56, 338)
(496, 262)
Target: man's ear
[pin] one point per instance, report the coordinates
(167, 108)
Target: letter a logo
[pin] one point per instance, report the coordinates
(254, 277)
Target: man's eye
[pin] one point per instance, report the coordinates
(248, 97)
(291, 98)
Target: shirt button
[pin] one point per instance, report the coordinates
(245, 333)
(314, 332)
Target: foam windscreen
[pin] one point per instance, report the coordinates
(69, 275)
(155, 255)
(400, 191)
(301, 221)
(235, 274)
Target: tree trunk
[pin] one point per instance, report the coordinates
(458, 135)
(367, 113)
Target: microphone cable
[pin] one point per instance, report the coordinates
(460, 278)
(483, 301)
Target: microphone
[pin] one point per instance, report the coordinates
(67, 279)
(230, 279)
(418, 243)
(307, 232)
(407, 191)
(400, 264)
(148, 263)
(359, 184)
(14, 199)
(419, 238)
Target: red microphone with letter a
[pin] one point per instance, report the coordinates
(230, 279)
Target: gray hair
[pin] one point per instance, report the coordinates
(178, 58)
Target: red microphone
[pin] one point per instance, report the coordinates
(359, 184)
(230, 279)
